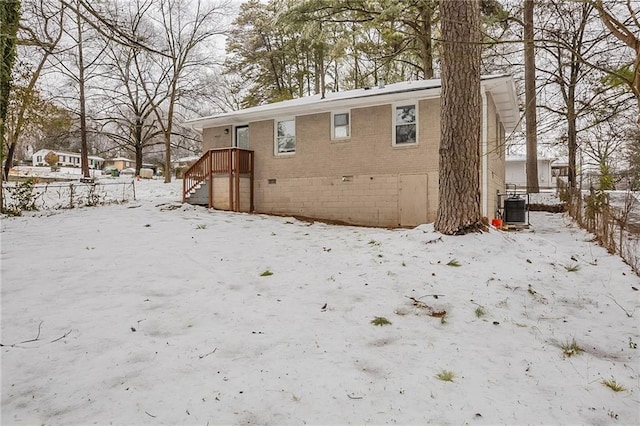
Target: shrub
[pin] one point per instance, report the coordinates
(51, 159)
(572, 268)
(380, 321)
(570, 348)
(480, 311)
(446, 376)
(23, 198)
(614, 385)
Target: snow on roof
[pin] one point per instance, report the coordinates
(501, 87)
(560, 161)
(516, 158)
(72, 154)
(119, 159)
(186, 159)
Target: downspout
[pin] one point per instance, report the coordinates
(484, 155)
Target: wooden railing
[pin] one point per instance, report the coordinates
(231, 162)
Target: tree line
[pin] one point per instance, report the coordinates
(583, 61)
(115, 76)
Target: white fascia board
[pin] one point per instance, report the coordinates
(502, 88)
(503, 91)
(313, 106)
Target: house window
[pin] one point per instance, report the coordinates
(405, 124)
(341, 125)
(285, 137)
(241, 137)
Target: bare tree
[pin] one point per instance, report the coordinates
(568, 41)
(626, 30)
(39, 34)
(78, 58)
(84, 155)
(459, 201)
(186, 25)
(105, 24)
(530, 99)
(9, 22)
(9, 18)
(129, 119)
(604, 148)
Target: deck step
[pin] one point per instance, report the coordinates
(199, 195)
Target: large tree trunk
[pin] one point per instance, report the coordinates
(138, 159)
(21, 119)
(167, 156)
(461, 104)
(84, 155)
(572, 118)
(531, 102)
(9, 19)
(572, 142)
(8, 162)
(139, 144)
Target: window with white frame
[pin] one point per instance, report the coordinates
(285, 136)
(405, 120)
(340, 125)
(241, 136)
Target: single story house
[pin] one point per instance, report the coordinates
(368, 156)
(120, 163)
(66, 159)
(180, 165)
(516, 172)
(560, 171)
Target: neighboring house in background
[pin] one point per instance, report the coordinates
(366, 156)
(120, 163)
(184, 161)
(559, 170)
(180, 165)
(66, 159)
(516, 172)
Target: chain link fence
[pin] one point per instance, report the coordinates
(616, 225)
(27, 195)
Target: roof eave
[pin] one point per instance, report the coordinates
(502, 86)
(315, 107)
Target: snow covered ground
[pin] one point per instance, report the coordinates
(153, 312)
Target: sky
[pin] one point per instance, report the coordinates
(148, 311)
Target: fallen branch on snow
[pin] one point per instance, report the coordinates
(630, 315)
(206, 355)
(35, 339)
